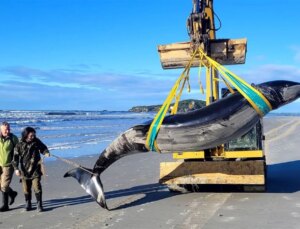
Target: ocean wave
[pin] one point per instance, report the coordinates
(68, 123)
(76, 127)
(26, 121)
(60, 113)
(74, 132)
(99, 114)
(97, 142)
(78, 143)
(64, 147)
(65, 135)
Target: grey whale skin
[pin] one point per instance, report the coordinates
(216, 124)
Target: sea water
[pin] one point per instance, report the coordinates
(78, 133)
(74, 133)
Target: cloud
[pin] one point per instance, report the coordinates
(20, 71)
(260, 58)
(29, 88)
(272, 72)
(297, 54)
(90, 80)
(20, 95)
(87, 88)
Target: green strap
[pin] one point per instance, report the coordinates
(155, 129)
(259, 102)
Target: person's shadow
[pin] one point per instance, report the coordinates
(49, 205)
(281, 178)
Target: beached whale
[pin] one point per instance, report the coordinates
(216, 124)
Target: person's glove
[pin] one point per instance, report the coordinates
(47, 154)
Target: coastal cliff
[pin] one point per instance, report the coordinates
(184, 105)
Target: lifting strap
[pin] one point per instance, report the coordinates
(157, 121)
(252, 95)
(257, 100)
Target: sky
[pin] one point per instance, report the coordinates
(102, 54)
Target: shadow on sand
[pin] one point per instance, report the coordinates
(281, 178)
(149, 192)
(57, 203)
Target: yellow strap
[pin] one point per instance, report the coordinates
(227, 85)
(188, 81)
(177, 98)
(157, 121)
(156, 147)
(241, 80)
(223, 71)
(199, 74)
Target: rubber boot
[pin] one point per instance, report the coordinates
(12, 195)
(4, 206)
(39, 203)
(28, 206)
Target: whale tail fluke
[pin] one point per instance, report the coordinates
(90, 183)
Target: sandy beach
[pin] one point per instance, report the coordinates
(137, 200)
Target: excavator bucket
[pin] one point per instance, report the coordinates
(224, 51)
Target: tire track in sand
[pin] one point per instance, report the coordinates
(293, 125)
(276, 129)
(197, 218)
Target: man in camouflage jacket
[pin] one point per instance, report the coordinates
(27, 163)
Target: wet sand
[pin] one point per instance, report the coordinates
(136, 199)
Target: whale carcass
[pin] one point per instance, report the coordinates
(216, 124)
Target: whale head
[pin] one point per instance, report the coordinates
(280, 92)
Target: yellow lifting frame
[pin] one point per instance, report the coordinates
(225, 154)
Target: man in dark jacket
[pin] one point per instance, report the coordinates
(7, 143)
(27, 163)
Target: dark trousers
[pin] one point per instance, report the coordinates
(35, 183)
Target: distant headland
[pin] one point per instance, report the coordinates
(184, 105)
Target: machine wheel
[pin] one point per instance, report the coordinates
(254, 188)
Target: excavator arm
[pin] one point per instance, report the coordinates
(202, 32)
(200, 24)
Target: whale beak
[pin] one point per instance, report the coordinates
(291, 93)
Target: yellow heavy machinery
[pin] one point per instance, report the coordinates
(239, 162)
